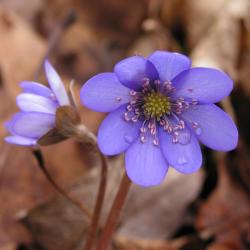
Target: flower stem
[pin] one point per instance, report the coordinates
(39, 157)
(114, 213)
(98, 206)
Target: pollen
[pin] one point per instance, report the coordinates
(156, 105)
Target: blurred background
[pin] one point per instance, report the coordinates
(206, 210)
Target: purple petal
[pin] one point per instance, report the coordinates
(104, 93)
(185, 156)
(204, 84)
(169, 64)
(115, 134)
(214, 127)
(56, 84)
(131, 71)
(145, 163)
(32, 124)
(35, 103)
(8, 126)
(19, 140)
(36, 88)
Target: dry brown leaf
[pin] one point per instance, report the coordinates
(94, 43)
(198, 18)
(20, 187)
(154, 37)
(166, 203)
(225, 215)
(20, 7)
(80, 52)
(21, 51)
(115, 16)
(171, 12)
(244, 62)
(59, 224)
(46, 227)
(17, 62)
(132, 243)
(23, 186)
(222, 39)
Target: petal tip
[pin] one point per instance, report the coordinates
(234, 141)
(145, 164)
(143, 183)
(8, 139)
(187, 168)
(47, 64)
(132, 70)
(49, 69)
(20, 141)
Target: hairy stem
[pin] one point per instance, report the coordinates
(114, 214)
(39, 157)
(98, 206)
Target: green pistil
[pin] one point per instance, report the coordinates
(156, 105)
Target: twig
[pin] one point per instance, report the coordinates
(114, 213)
(154, 8)
(54, 37)
(98, 206)
(39, 157)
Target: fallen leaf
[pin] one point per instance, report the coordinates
(17, 49)
(166, 203)
(225, 215)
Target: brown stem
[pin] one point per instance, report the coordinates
(98, 206)
(114, 213)
(39, 157)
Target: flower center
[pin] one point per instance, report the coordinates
(156, 105)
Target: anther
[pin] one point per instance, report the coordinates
(155, 142)
(194, 124)
(175, 139)
(194, 102)
(129, 108)
(142, 138)
(126, 117)
(182, 124)
(134, 119)
(132, 92)
(145, 82)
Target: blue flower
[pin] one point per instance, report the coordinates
(160, 109)
(38, 105)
